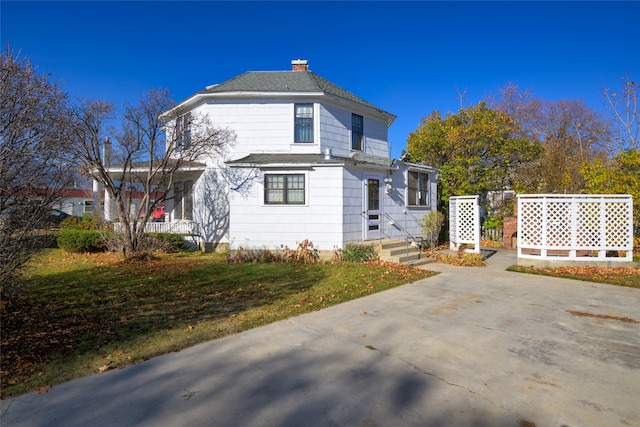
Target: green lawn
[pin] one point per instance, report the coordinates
(87, 313)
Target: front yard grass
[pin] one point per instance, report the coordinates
(629, 277)
(88, 313)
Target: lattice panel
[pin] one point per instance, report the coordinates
(453, 219)
(617, 227)
(588, 230)
(558, 222)
(466, 223)
(573, 224)
(530, 218)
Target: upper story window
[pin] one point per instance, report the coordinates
(357, 132)
(183, 131)
(418, 189)
(303, 118)
(284, 189)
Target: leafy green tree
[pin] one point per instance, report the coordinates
(477, 150)
(620, 175)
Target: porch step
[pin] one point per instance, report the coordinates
(398, 252)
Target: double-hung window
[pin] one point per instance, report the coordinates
(284, 189)
(303, 123)
(183, 131)
(418, 189)
(183, 200)
(357, 132)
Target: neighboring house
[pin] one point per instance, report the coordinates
(310, 161)
(76, 202)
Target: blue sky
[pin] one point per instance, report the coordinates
(408, 58)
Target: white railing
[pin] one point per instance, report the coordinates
(184, 227)
(575, 227)
(464, 222)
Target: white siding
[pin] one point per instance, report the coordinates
(332, 215)
(258, 226)
(353, 205)
(267, 126)
(211, 205)
(335, 128)
(408, 220)
(260, 127)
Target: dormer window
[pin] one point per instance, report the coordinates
(303, 123)
(357, 132)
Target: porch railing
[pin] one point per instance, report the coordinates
(184, 227)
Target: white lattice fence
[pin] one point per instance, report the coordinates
(464, 222)
(575, 227)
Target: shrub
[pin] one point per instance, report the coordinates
(360, 252)
(168, 242)
(431, 226)
(492, 222)
(87, 222)
(305, 253)
(81, 241)
(148, 245)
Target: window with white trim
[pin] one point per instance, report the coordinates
(183, 131)
(284, 189)
(357, 132)
(303, 119)
(417, 188)
(183, 200)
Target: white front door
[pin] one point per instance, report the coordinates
(372, 207)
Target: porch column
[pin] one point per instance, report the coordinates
(96, 198)
(107, 207)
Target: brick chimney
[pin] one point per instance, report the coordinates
(300, 65)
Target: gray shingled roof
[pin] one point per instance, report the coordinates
(293, 159)
(283, 81)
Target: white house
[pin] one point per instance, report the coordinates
(311, 161)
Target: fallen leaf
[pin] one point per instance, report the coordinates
(44, 389)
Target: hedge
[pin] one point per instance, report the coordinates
(72, 240)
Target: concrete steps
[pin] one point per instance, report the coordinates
(397, 251)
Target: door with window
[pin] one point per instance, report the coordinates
(372, 209)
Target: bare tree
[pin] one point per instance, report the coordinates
(569, 132)
(34, 123)
(147, 152)
(626, 116)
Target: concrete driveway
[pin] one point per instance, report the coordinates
(468, 347)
